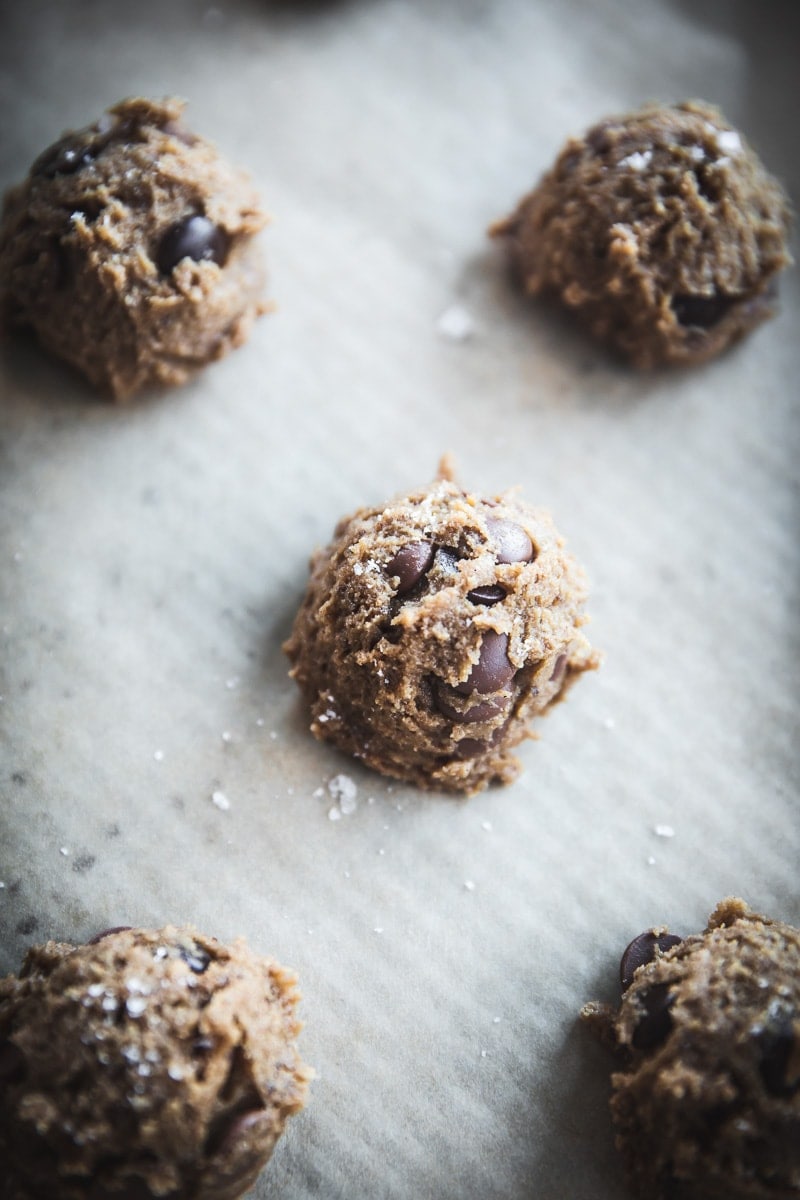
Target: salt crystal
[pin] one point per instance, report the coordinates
(664, 831)
(95, 989)
(158, 755)
(651, 862)
(2, 885)
(226, 736)
(638, 160)
(343, 789)
(496, 1020)
(381, 851)
(456, 324)
(729, 141)
(609, 722)
(334, 813)
(221, 800)
(469, 885)
(175, 1072)
(483, 1054)
(318, 792)
(63, 850)
(232, 683)
(378, 929)
(135, 1006)
(260, 723)
(487, 825)
(109, 1004)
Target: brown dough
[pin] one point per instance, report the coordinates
(707, 1106)
(96, 256)
(148, 1063)
(660, 229)
(433, 631)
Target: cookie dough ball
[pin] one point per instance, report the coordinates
(129, 250)
(434, 629)
(147, 1063)
(660, 229)
(708, 1102)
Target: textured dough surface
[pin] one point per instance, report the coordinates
(660, 229)
(80, 241)
(150, 1063)
(387, 669)
(708, 1105)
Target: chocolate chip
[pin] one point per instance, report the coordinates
(559, 669)
(474, 747)
(98, 937)
(511, 542)
(12, 1062)
(643, 950)
(244, 1128)
(776, 1045)
(701, 312)
(490, 593)
(409, 564)
(67, 156)
(655, 1024)
(196, 959)
(192, 237)
(484, 710)
(493, 670)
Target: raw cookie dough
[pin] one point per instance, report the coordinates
(129, 250)
(434, 629)
(147, 1063)
(708, 1105)
(660, 229)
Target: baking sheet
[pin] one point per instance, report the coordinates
(153, 556)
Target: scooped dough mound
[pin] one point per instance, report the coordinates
(433, 630)
(129, 250)
(660, 229)
(708, 1103)
(147, 1063)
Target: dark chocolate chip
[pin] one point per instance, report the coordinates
(243, 1129)
(490, 593)
(656, 1022)
(475, 747)
(98, 937)
(67, 156)
(776, 1044)
(559, 669)
(192, 237)
(409, 564)
(701, 312)
(12, 1063)
(196, 959)
(484, 710)
(493, 670)
(643, 950)
(512, 543)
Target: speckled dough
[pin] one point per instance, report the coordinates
(660, 229)
(708, 1105)
(96, 258)
(434, 629)
(148, 1063)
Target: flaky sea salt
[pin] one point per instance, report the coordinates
(221, 800)
(343, 789)
(456, 324)
(638, 160)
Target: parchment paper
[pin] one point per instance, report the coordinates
(152, 557)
